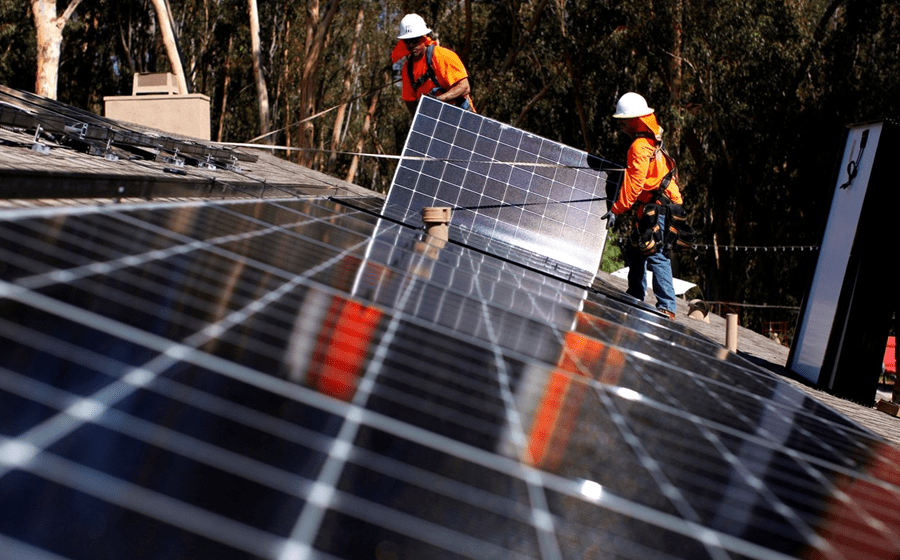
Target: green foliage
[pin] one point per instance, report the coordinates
(613, 256)
(17, 45)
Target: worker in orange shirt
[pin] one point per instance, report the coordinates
(431, 69)
(651, 186)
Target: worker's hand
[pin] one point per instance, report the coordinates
(610, 219)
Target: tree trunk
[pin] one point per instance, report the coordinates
(49, 43)
(168, 37)
(348, 82)
(367, 125)
(530, 104)
(261, 93)
(225, 85)
(316, 32)
(467, 37)
(575, 78)
(519, 42)
(814, 45)
(675, 74)
(286, 80)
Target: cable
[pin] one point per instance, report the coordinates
(764, 249)
(519, 204)
(325, 112)
(412, 158)
(754, 305)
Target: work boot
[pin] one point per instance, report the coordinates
(669, 314)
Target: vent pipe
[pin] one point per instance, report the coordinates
(437, 221)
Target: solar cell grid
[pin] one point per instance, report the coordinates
(289, 379)
(513, 186)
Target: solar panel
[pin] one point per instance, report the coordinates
(316, 377)
(298, 378)
(504, 184)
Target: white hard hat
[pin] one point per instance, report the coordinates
(631, 105)
(412, 26)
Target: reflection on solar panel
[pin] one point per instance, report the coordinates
(299, 378)
(504, 184)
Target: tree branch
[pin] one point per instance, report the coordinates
(61, 21)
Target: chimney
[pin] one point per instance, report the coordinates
(155, 103)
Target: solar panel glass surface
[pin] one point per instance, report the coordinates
(504, 184)
(304, 379)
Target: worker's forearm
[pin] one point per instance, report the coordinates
(459, 90)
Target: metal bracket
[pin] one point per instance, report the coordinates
(174, 160)
(208, 164)
(234, 166)
(107, 153)
(38, 146)
(79, 130)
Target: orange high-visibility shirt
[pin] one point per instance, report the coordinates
(399, 52)
(448, 69)
(643, 176)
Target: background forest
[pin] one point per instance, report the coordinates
(755, 96)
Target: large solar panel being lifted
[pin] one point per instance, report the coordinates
(504, 184)
(301, 378)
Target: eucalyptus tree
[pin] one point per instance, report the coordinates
(49, 25)
(262, 94)
(166, 29)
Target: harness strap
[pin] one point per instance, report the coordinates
(660, 197)
(428, 75)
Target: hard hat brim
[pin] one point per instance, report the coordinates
(633, 115)
(413, 35)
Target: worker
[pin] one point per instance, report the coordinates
(431, 69)
(650, 185)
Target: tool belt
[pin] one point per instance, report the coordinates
(649, 238)
(646, 235)
(679, 234)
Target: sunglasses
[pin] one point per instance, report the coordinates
(412, 42)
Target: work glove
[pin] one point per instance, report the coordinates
(610, 219)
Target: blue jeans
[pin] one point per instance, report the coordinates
(661, 268)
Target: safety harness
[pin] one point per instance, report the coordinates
(647, 236)
(430, 75)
